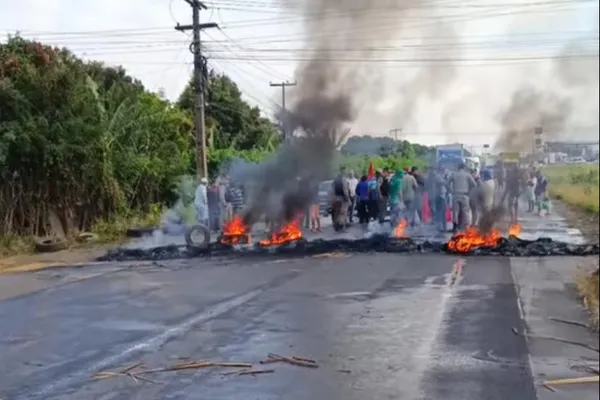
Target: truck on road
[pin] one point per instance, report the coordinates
(450, 156)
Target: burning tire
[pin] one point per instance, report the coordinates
(194, 230)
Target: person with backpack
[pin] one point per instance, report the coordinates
(341, 199)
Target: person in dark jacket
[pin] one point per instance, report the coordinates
(214, 211)
(362, 199)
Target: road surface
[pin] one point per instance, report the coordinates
(380, 326)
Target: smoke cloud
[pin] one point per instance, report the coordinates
(335, 89)
(528, 109)
(554, 106)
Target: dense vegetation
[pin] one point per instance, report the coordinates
(81, 142)
(576, 185)
(385, 147)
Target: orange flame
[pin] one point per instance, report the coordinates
(288, 233)
(514, 230)
(471, 238)
(399, 230)
(235, 232)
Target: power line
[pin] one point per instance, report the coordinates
(277, 38)
(417, 60)
(418, 21)
(239, 72)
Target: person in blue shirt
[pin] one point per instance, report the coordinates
(362, 200)
(373, 206)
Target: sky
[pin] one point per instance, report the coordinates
(495, 48)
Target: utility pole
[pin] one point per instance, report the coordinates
(537, 139)
(283, 86)
(395, 132)
(199, 84)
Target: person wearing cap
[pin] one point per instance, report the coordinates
(201, 202)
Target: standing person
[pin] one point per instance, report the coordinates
(488, 190)
(430, 190)
(340, 202)
(352, 182)
(500, 176)
(224, 200)
(315, 211)
(416, 173)
(236, 197)
(541, 193)
(361, 193)
(395, 198)
(512, 192)
(409, 188)
(374, 197)
(530, 192)
(214, 211)
(475, 199)
(201, 202)
(440, 198)
(384, 191)
(461, 183)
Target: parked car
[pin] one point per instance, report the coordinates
(325, 193)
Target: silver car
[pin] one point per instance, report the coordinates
(325, 192)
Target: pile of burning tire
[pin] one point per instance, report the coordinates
(288, 240)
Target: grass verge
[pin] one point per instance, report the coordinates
(575, 185)
(587, 282)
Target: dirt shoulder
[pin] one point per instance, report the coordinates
(586, 278)
(587, 222)
(36, 262)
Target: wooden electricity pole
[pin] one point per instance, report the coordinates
(199, 85)
(395, 132)
(283, 86)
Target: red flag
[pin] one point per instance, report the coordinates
(371, 173)
(426, 210)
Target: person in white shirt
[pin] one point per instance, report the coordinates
(352, 183)
(201, 202)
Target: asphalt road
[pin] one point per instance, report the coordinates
(380, 326)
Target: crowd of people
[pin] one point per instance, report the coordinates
(437, 196)
(403, 193)
(217, 202)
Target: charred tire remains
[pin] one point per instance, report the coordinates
(139, 232)
(511, 247)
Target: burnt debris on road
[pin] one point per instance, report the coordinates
(503, 246)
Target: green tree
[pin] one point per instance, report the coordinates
(81, 141)
(231, 122)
